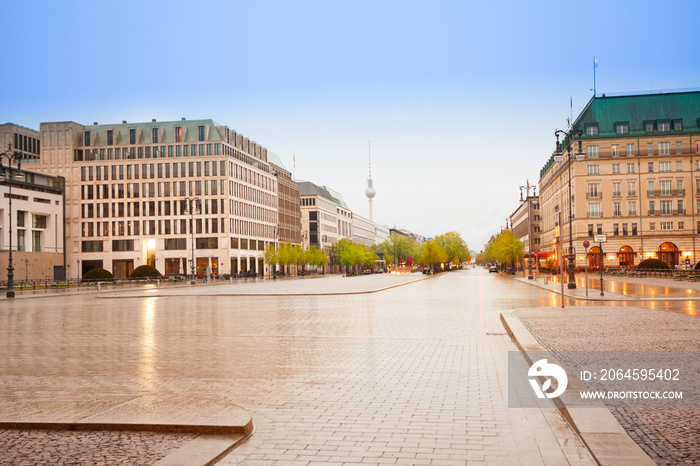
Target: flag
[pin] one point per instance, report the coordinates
(595, 62)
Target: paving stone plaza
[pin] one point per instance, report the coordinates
(381, 369)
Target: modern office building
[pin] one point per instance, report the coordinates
(288, 202)
(319, 217)
(24, 140)
(37, 224)
(171, 194)
(638, 183)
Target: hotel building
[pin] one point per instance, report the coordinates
(638, 184)
(169, 194)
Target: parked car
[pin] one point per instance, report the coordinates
(493, 268)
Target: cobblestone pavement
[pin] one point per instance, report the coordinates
(410, 375)
(49, 447)
(669, 436)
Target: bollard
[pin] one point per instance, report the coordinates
(99, 286)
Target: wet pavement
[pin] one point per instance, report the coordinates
(414, 374)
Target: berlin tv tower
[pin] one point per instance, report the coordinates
(370, 192)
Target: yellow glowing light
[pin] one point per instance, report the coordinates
(151, 243)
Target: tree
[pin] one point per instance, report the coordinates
(506, 248)
(432, 254)
(397, 247)
(455, 247)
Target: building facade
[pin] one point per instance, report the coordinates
(24, 140)
(176, 195)
(525, 224)
(319, 217)
(638, 184)
(288, 202)
(37, 225)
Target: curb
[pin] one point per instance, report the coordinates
(604, 437)
(213, 442)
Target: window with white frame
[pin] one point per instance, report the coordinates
(679, 147)
(664, 148)
(679, 187)
(630, 168)
(615, 150)
(652, 226)
(631, 188)
(629, 148)
(679, 166)
(650, 148)
(594, 209)
(593, 190)
(622, 128)
(664, 166)
(649, 127)
(592, 131)
(616, 189)
(666, 225)
(632, 208)
(650, 187)
(616, 169)
(652, 207)
(593, 169)
(592, 152)
(665, 187)
(666, 207)
(680, 225)
(677, 126)
(664, 127)
(681, 207)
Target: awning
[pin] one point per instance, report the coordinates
(540, 254)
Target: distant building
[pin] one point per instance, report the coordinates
(319, 217)
(525, 224)
(288, 202)
(22, 139)
(638, 183)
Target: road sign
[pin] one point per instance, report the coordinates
(586, 244)
(600, 238)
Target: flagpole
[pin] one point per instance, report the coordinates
(595, 65)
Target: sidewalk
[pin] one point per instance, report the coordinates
(667, 436)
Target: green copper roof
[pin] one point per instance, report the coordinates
(637, 110)
(166, 133)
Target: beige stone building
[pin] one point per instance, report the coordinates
(525, 224)
(165, 193)
(638, 183)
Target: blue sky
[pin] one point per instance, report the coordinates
(459, 99)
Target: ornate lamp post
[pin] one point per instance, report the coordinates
(529, 228)
(6, 173)
(192, 208)
(569, 137)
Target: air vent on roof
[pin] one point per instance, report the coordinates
(183, 118)
(123, 122)
(153, 120)
(94, 123)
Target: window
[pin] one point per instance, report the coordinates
(622, 129)
(616, 229)
(110, 137)
(666, 225)
(200, 133)
(92, 246)
(677, 126)
(599, 229)
(132, 136)
(665, 187)
(616, 169)
(679, 166)
(590, 229)
(632, 208)
(664, 166)
(650, 167)
(652, 226)
(154, 132)
(630, 168)
(650, 188)
(649, 127)
(634, 229)
(594, 209)
(207, 243)
(178, 134)
(617, 209)
(624, 229)
(681, 209)
(592, 152)
(630, 150)
(593, 169)
(175, 244)
(679, 187)
(617, 191)
(615, 150)
(39, 221)
(664, 127)
(652, 207)
(679, 147)
(123, 244)
(650, 148)
(593, 190)
(36, 241)
(87, 138)
(666, 207)
(664, 148)
(680, 225)
(592, 131)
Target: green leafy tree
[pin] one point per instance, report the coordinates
(507, 248)
(397, 247)
(433, 254)
(455, 247)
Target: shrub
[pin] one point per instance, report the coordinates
(98, 274)
(145, 271)
(653, 264)
(697, 266)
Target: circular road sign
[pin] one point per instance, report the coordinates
(586, 244)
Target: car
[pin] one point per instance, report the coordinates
(493, 268)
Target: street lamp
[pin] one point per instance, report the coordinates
(6, 174)
(529, 227)
(569, 137)
(192, 208)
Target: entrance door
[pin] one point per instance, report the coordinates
(121, 269)
(594, 258)
(626, 256)
(668, 252)
(202, 264)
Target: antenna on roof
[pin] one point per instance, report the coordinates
(595, 65)
(294, 165)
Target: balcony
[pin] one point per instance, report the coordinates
(665, 213)
(595, 214)
(631, 193)
(666, 192)
(590, 195)
(616, 194)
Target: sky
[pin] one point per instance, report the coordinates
(458, 100)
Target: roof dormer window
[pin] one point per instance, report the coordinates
(592, 130)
